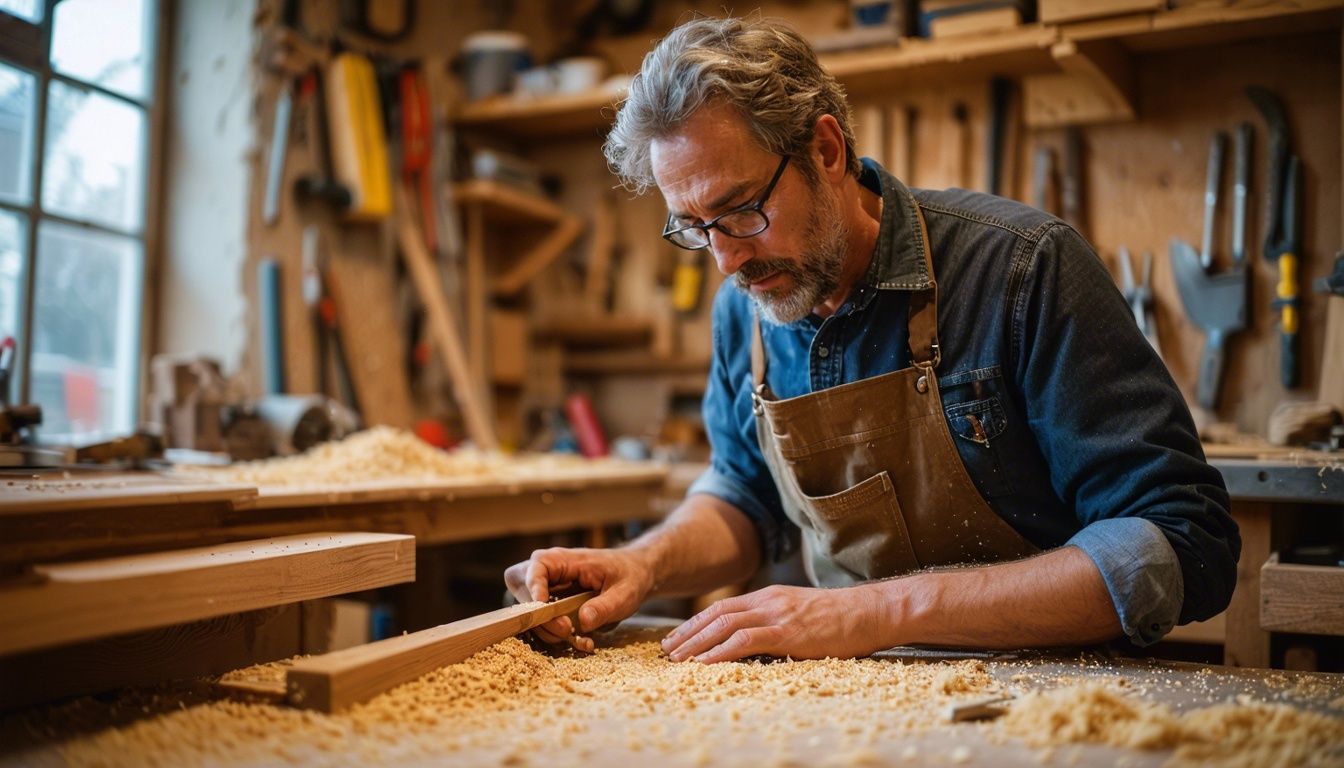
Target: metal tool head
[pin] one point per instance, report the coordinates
(1214, 302)
(1276, 118)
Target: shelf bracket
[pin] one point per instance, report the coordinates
(1097, 85)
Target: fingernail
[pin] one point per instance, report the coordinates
(588, 615)
(567, 624)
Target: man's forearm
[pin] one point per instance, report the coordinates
(1058, 598)
(704, 544)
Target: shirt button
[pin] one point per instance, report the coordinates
(823, 351)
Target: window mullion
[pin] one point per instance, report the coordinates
(43, 71)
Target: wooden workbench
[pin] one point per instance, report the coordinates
(53, 518)
(741, 728)
(58, 516)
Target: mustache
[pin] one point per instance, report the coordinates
(755, 270)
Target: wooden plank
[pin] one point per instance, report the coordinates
(597, 279)
(34, 491)
(179, 652)
(506, 205)
(1301, 598)
(99, 598)
(632, 362)
(1054, 11)
(442, 325)
(538, 258)
(334, 681)
(1247, 645)
(471, 511)
(975, 23)
(595, 331)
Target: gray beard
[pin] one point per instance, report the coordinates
(815, 277)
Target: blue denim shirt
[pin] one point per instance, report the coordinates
(1086, 439)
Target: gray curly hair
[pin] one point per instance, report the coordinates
(762, 67)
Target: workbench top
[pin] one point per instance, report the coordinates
(511, 705)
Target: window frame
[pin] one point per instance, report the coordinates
(27, 47)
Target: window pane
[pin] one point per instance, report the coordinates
(28, 10)
(105, 42)
(17, 107)
(94, 167)
(13, 241)
(86, 329)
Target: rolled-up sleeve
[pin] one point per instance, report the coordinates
(1121, 445)
(1141, 571)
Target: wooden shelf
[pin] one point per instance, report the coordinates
(604, 331)
(587, 112)
(507, 205)
(1025, 50)
(605, 363)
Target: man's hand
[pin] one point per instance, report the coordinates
(621, 576)
(798, 622)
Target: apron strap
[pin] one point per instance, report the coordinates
(924, 351)
(923, 321)
(758, 362)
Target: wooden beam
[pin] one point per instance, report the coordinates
(541, 255)
(1301, 598)
(334, 681)
(442, 325)
(1247, 645)
(1098, 85)
(100, 598)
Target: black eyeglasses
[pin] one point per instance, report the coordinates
(746, 221)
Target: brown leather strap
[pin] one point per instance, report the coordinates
(758, 362)
(923, 314)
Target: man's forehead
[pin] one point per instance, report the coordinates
(705, 161)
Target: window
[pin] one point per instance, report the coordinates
(76, 82)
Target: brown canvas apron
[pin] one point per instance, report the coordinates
(869, 472)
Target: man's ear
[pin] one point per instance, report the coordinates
(828, 149)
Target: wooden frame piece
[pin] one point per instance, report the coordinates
(538, 258)
(442, 325)
(101, 598)
(337, 680)
(1098, 85)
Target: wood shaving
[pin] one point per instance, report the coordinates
(1245, 733)
(511, 705)
(382, 452)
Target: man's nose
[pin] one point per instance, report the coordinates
(730, 253)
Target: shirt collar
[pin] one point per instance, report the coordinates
(898, 263)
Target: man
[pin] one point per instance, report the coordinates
(940, 395)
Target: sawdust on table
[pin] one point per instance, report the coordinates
(385, 453)
(511, 705)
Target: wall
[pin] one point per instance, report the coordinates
(1144, 185)
(209, 135)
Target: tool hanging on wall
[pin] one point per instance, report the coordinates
(1216, 302)
(1282, 242)
(1000, 92)
(319, 295)
(358, 143)
(385, 20)
(417, 148)
(1140, 294)
(320, 186)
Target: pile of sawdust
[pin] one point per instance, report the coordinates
(1246, 733)
(510, 705)
(383, 453)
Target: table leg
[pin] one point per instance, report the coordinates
(1247, 645)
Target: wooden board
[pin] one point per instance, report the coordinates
(180, 652)
(1301, 598)
(100, 598)
(337, 680)
(33, 491)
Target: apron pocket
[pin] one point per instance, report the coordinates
(976, 425)
(862, 529)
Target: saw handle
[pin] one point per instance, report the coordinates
(1285, 300)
